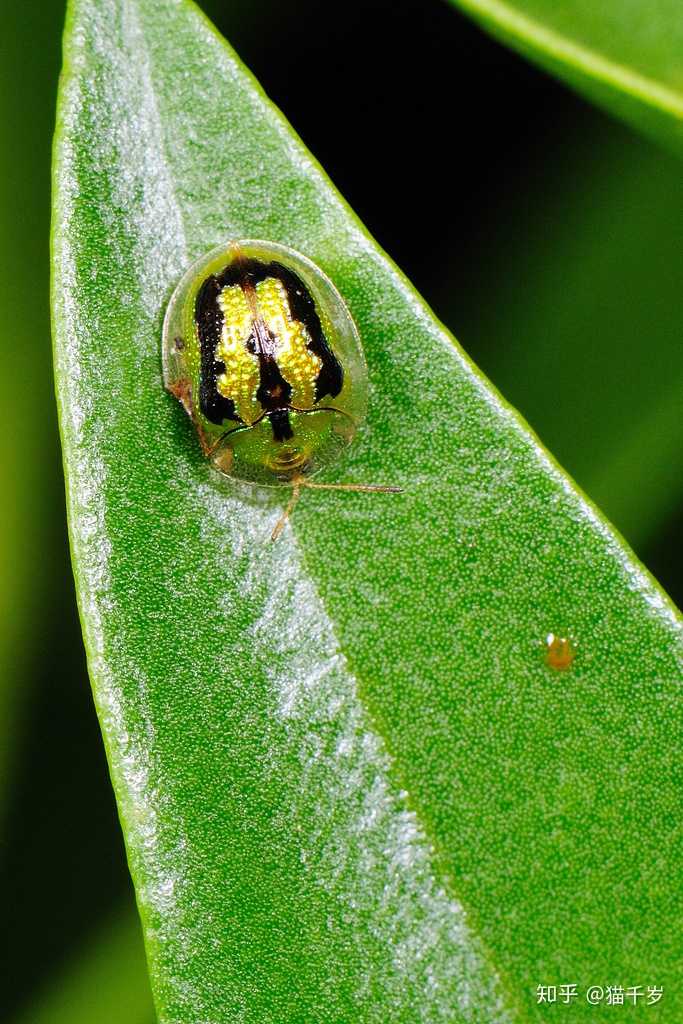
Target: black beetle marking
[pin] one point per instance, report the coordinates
(209, 319)
(279, 421)
(330, 376)
(274, 392)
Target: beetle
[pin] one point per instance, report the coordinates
(264, 356)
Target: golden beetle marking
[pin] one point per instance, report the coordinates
(241, 376)
(263, 355)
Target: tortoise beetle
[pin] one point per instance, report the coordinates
(264, 356)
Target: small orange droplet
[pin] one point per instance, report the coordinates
(560, 652)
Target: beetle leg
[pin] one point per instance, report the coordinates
(296, 492)
(182, 390)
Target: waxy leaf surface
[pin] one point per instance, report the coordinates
(350, 787)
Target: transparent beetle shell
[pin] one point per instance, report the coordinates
(231, 323)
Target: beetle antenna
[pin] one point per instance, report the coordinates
(300, 481)
(385, 488)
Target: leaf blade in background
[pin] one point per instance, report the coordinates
(105, 983)
(586, 344)
(624, 56)
(335, 757)
(28, 448)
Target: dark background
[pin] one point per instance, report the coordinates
(545, 235)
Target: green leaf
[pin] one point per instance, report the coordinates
(350, 787)
(587, 343)
(28, 445)
(624, 55)
(105, 984)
